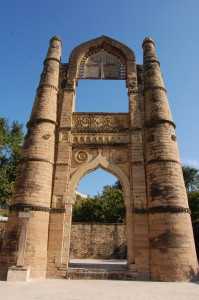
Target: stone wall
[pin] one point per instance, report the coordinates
(98, 241)
(94, 240)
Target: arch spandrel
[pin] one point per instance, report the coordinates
(111, 46)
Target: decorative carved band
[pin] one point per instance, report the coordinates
(154, 123)
(100, 122)
(97, 138)
(51, 58)
(153, 161)
(103, 130)
(40, 120)
(162, 209)
(47, 85)
(97, 144)
(57, 210)
(149, 61)
(24, 159)
(29, 207)
(133, 129)
(64, 128)
(152, 88)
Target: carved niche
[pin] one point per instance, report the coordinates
(102, 65)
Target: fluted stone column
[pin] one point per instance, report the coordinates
(172, 249)
(34, 179)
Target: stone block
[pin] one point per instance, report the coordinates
(18, 273)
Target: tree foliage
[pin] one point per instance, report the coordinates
(194, 205)
(106, 207)
(191, 178)
(11, 138)
(109, 205)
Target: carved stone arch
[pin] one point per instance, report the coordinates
(159, 234)
(111, 46)
(102, 162)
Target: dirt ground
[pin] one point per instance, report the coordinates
(58, 289)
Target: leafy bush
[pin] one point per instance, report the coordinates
(106, 207)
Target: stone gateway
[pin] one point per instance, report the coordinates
(138, 147)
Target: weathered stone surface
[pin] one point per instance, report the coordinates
(138, 147)
(98, 241)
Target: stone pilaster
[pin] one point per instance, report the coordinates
(172, 250)
(34, 178)
(62, 200)
(139, 238)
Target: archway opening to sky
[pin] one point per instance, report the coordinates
(93, 183)
(98, 234)
(101, 96)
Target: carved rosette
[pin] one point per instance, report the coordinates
(81, 156)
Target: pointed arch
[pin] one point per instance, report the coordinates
(101, 162)
(111, 46)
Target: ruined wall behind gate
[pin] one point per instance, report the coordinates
(94, 240)
(98, 241)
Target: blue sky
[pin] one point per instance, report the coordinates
(26, 27)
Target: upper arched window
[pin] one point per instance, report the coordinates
(101, 65)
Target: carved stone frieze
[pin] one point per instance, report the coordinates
(100, 122)
(103, 139)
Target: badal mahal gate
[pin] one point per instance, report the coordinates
(138, 147)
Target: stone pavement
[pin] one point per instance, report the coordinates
(58, 289)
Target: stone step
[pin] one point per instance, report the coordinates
(82, 273)
(104, 266)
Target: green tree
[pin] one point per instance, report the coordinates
(106, 207)
(112, 204)
(11, 139)
(191, 178)
(194, 205)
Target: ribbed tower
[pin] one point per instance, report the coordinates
(172, 250)
(32, 197)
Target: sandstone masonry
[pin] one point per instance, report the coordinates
(138, 147)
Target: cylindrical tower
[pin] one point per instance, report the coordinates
(32, 197)
(172, 249)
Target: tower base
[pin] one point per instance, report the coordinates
(18, 273)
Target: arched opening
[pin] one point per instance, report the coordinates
(98, 233)
(101, 96)
(105, 62)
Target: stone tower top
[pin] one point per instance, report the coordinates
(148, 39)
(55, 37)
